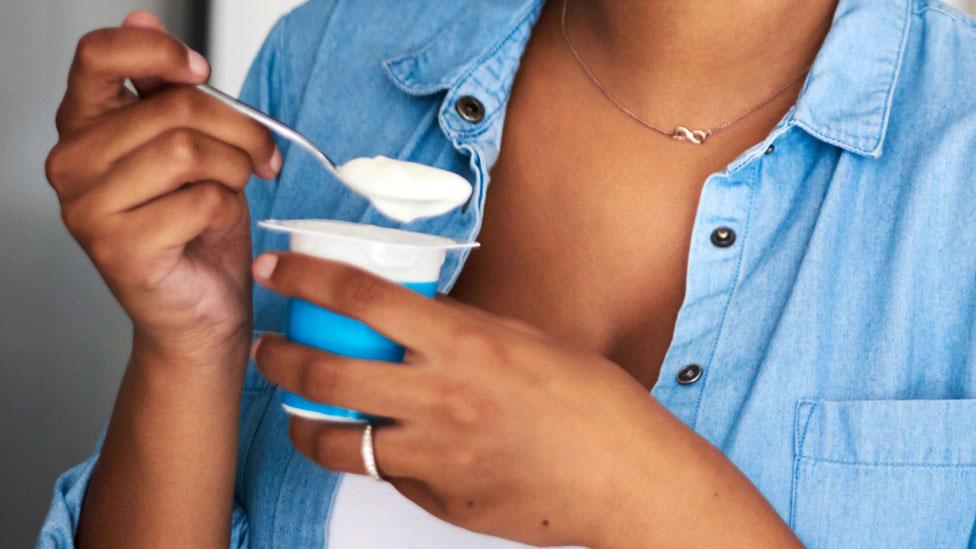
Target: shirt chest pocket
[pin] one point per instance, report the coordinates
(885, 473)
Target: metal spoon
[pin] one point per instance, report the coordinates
(278, 127)
(389, 201)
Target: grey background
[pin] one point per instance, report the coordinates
(63, 340)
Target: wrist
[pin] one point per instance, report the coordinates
(187, 383)
(171, 444)
(226, 352)
(669, 470)
(629, 492)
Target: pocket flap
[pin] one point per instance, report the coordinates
(888, 432)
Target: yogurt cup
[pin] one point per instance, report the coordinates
(408, 258)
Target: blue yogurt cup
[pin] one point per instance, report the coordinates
(411, 259)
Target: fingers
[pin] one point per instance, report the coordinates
(175, 219)
(422, 494)
(132, 245)
(166, 164)
(337, 447)
(106, 57)
(401, 314)
(145, 20)
(515, 324)
(84, 156)
(151, 182)
(374, 387)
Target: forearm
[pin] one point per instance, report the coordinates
(686, 493)
(165, 476)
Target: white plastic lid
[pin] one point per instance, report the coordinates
(398, 255)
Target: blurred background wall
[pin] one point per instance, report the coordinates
(63, 340)
(236, 30)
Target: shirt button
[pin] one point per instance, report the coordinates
(689, 374)
(470, 108)
(770, 149)
(723, 237)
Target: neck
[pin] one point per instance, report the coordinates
(697, 51)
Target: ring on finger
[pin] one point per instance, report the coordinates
(369, 455)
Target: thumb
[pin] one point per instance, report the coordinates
(143, 19)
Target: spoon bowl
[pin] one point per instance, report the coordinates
(429, 191)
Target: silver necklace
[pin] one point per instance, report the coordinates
(680, 133)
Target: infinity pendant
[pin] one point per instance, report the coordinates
(696, 137)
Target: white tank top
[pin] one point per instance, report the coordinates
(373, 515)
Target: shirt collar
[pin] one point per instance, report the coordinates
(465, 42)
(846, 99)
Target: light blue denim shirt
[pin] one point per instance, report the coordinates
(836, 335)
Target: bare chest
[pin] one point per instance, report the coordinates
(586, 233)
(588, 216)
(600, 268)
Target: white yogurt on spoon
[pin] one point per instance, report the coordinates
(405, 191)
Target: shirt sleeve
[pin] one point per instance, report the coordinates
(61, 524)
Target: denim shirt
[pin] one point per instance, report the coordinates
(835, 335)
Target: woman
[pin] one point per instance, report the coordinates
(725, 294)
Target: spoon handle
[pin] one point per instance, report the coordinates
(274, 125)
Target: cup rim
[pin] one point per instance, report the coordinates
(429, 241)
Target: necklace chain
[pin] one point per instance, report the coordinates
(680, 133)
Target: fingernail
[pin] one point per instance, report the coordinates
(254, 347)
(198, 64)
(264, 266)
(276, 161)
(132, 19)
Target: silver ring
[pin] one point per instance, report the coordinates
(369, 457)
